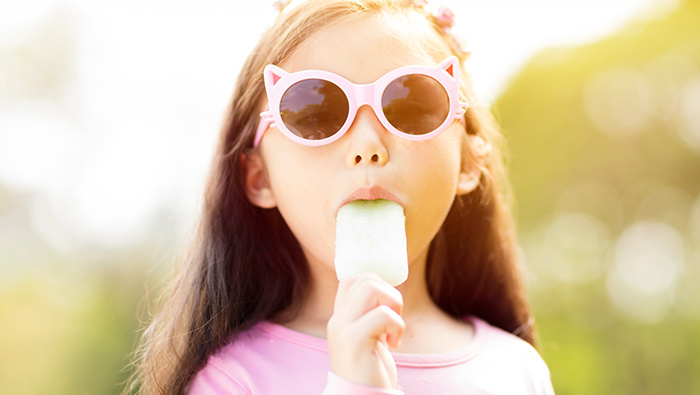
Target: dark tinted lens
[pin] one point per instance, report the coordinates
(415, 104)
(314, 109)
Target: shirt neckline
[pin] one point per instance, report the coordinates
(402, 359)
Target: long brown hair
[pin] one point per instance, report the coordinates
(245, 265)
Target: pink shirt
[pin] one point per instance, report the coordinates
(271, 359)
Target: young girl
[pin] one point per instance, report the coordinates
(364, 99)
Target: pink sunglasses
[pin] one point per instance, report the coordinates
(314, 107)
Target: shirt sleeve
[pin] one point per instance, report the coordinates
(340, 386)
(213, 381)
(542, 380)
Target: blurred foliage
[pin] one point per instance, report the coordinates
(604, 143)
(69, 318)
(554, 143)
(69, 330)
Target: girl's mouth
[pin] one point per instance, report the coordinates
(372, 193)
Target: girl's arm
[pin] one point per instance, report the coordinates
(366, 321)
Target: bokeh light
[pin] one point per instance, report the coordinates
(689, 128)
(618, 101)
(649, 256)
(573, 246)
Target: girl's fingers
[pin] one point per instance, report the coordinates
(367, 310)
(359, 294)
(380, 324)
(366, 321)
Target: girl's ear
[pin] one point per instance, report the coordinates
(257, 185)
(472, 163)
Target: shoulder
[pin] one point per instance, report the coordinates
(225, 372)
(502, 353)
(495, 340)
(267, 358)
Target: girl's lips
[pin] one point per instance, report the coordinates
(375, 192)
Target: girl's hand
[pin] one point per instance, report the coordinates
(366, 321)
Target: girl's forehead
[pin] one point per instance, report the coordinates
(363, 49)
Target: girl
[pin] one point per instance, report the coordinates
(258, 308)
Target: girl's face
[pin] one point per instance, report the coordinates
(309, 184)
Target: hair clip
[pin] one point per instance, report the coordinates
(444, 17)
(280, 5)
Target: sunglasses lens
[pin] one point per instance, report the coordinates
(314, 109)
(415, 104)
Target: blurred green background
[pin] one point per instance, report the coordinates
(605, 162)
(604, 142)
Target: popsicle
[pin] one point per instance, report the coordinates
(370, 236)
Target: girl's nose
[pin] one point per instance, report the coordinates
(367, 140)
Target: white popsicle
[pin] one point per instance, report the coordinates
(370, 236)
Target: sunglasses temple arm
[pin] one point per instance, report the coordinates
(462, 108)
(266, 121)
